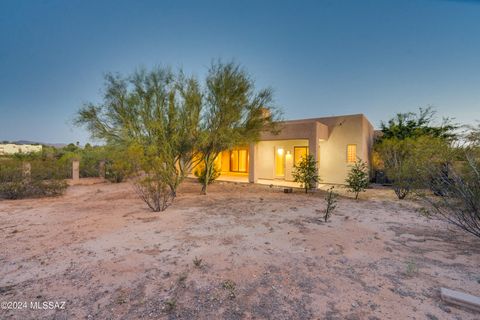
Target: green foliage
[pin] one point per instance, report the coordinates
(357, 178)
(331, 200)
(159, 111)
(306, 173)
(44, 179)
(200, 173)
(121, 162)
(408, 162)
(235, 113)
(413, 125)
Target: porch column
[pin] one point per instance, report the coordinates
(252, 155)
(313, 149)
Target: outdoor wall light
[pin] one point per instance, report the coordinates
(280, 151)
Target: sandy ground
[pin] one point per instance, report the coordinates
(264, 255)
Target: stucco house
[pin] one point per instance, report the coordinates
(335, 142)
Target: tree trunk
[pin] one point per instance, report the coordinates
(206, 179)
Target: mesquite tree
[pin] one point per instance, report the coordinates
(235, 113)
(157, 111)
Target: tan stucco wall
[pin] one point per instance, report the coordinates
(327, 139)
(333, 166)
(11, 148)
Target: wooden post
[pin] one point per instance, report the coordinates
(76, 170)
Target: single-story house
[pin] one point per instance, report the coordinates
(335, 143)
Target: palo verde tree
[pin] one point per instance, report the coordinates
(235, 113)
(156, 111)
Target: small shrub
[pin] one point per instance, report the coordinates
(154, 192)
(411, 268)
(331, 199)
(306, 173)
(197, 262)
(357, 178)
(230, 286)
(170, 305)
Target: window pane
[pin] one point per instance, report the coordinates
(351, 153)
(299, 153)
(234, 160)
(242, 160)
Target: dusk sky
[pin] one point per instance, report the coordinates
(321, 57)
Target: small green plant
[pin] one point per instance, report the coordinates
(357, 178)
(170, 304)
(200, 173)
(230, 286)
(331, 199)
(306, 173)
(197, 262)
(411, 268)
(182, 277)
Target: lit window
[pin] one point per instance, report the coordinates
(298, 154)
(351, 153)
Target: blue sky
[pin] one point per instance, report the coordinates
(321, 57)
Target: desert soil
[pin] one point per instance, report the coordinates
(259, 253)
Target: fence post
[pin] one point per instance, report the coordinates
(76, 170)
(26, 170)
(101, 169)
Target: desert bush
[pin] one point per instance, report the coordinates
(357, 178)
(154, 192)
(331, 203)
(408, 162)
(459, 200)
(121, 162)
(45, 179)
(306, 173)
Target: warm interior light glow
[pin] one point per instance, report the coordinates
(351, 153)
(280, 151)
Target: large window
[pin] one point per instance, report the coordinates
(351, 153)
(299, 153)
(239, 160)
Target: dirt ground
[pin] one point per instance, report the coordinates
(259, 254)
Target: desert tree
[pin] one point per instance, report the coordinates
(235, 113)
(157, 111)
(408, 142)
(413, 125)
(357, 178)
(306, 173)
